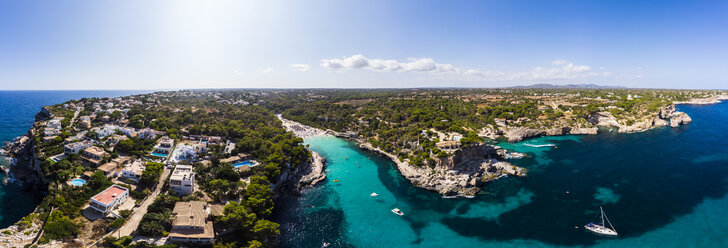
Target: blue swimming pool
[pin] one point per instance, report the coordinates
(159, 155)
(244, 163)
(78, 182)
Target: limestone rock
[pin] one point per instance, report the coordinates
(517, 134)
(584, 130)
(679, 118)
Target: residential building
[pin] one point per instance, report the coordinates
(147, 133)
(54, 123)
(85, 121)
(164, 146)
(133, 171)
(182, 181)
(448, 145)
(94, 155)
(75, 148)
(113, 168)
(190, 224)
(109, 199)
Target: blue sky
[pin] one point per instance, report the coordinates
(260, 44)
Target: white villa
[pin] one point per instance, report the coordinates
(133, 171)
(182, 181)
(75, 148)
(164, 146)
(109, 199)
(147, 133)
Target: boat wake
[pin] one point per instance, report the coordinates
(544, 145)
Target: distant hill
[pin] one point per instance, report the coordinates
(569, 86)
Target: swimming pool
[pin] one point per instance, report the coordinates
(159, 155)
(78, 182)
(245, 163)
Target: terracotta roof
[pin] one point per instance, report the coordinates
(109, 194)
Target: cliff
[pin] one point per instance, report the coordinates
(666, 116)
(459, 175)
(27, 166)
(303, 176)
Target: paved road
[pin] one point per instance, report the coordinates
(133, 222)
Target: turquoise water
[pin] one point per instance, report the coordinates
(159, 155)
(17, 114)
(78, 182)
(244, 163)
(662, 188)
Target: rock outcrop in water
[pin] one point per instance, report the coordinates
(459, 175)
(303, 176)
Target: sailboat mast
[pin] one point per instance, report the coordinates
(602, 210)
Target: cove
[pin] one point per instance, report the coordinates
(665, 187)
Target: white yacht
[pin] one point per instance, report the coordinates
(600, 228)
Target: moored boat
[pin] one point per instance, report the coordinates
(397, 212)
(600, 228)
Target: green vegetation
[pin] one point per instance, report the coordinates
(406, 122)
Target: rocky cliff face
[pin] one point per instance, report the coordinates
(459, 175)
(27, 166)
(303, 176)
(516, 134)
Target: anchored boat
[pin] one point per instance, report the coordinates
(397, 212)
(601, 228)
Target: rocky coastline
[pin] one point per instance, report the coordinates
(667, 116)
(308, 174)
(460, 175)
(303, 176)
(26, 168)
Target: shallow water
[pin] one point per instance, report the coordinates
(662, 188)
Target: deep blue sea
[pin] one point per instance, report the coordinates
(666, 187)
(17, 113)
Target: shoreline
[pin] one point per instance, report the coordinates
(459, 180)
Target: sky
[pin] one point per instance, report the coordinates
(66, 45)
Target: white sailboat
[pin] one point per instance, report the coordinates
(601, 228)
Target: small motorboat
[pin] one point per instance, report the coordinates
(325, 244)
(600, 228)
(373, 194)
(397, 212)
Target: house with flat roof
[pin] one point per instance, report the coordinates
(448, 145)
(164, 146)
(133, 171)
(109, 199)
(94, 155)
(147, 133)
(76, 147)
(190, 224)
(112, 168)
(182, 181)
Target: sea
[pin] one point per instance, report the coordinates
(17, 114)
(666, 187)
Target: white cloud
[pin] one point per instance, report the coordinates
(558, 70)
(358, 61)
(267, 70)
(300, 67)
